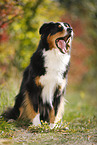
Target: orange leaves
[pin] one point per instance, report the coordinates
(8, 10)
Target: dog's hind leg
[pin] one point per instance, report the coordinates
(28, 112)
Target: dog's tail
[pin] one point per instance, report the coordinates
(14, 112)
(10, 113)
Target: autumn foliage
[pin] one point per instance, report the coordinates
(19, 24)
(80, 51)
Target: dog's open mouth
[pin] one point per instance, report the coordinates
(62, 43)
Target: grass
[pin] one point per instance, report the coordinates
(80, 117)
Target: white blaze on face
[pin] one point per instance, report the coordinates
(64, 27)
(62, 24)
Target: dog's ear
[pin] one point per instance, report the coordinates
(46, 27)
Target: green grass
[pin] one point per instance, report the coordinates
(80, 104)
(80, 117)
(8, 91)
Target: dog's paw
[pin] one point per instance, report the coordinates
(52, 125)
(36, 120)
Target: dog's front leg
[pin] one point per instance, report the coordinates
(52, 118)
(57, 117)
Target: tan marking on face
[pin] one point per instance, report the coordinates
(52, 115)
(27, 110)
(51, 38)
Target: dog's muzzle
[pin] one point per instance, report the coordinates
(62, 43)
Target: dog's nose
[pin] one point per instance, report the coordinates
(69, 30)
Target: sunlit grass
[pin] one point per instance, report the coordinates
(8, 91)
(79, 106)
(80, 113)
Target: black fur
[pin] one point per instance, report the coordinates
(36, 68)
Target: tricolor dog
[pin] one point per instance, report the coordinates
(41, 95)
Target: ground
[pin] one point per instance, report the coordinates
(80, 117)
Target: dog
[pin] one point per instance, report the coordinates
(41, 95)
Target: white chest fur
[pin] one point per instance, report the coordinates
(55, 64)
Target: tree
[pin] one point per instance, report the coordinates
(21, 20)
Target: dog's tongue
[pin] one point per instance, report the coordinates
(62, 45)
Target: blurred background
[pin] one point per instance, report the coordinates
(19, 37)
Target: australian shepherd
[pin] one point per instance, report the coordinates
(41, 95)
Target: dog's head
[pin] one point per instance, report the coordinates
(57, 36)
